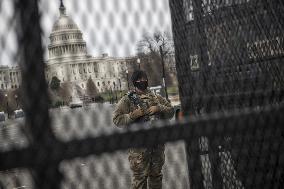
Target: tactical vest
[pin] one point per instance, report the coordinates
(144, 101)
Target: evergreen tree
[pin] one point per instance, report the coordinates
(55, 83)
(92, 90)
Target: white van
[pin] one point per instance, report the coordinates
(156, 89)
(19, 113)
(76, 103)
(2, 116)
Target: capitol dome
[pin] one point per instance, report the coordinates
(64, 22)
(66, 39)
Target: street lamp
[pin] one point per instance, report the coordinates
(116, 98)
(120, 88)
(127, 79)
(7, 104)
(112, 95)
(16, 98)
(109, 94)
(164, 76)
(138, 62)
(115, 89)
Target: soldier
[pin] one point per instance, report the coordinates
(141, 105)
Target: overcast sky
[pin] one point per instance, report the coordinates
(108, 26)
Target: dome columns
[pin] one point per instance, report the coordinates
(68, 49)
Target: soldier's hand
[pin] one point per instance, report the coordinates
(136, 113)
(153, 110)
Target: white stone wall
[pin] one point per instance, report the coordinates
(10, 78)
(106, 73)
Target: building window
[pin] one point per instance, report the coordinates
(104, 83)
(98, 84)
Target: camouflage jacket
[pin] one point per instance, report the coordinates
(121, 117)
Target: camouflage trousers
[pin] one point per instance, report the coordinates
(146, 166)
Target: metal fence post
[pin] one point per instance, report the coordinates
(34, 89)
(204, 69)
(182, 56)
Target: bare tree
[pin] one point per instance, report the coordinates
(2, 100)
(64, 91)
(151, 50)
(152, 44)
(10, 102)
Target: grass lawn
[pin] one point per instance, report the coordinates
(107, 95)
(173, 90)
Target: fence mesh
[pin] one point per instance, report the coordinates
(226, 57)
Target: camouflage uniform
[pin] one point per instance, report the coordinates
(146, 164)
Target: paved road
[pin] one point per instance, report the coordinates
(104, 171)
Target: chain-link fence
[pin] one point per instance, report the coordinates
(226, 53)
(228, 57)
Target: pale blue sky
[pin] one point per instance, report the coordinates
(108, 26)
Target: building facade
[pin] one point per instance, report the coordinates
(10, 77)
(69, 61)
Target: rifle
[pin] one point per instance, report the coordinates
(136, 100)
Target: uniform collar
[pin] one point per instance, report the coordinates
(145, 93)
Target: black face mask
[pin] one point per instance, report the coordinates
(142, 85)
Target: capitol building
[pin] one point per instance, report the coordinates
(69, 61)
